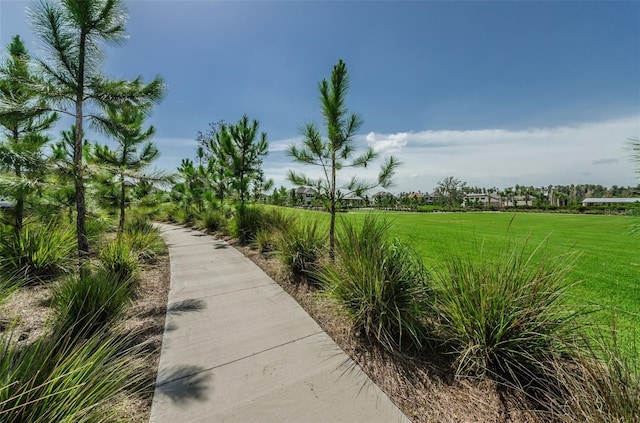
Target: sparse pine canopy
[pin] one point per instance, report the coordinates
(244, 150)
(336, 152)
(23, 120)
(213, 160)
(133, 154)
(73, 34)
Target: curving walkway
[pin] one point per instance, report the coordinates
(237, 348)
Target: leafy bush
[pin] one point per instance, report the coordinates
(40, 253)
(300, 248)
(85, 305)
(506, 319)
(53, 380)
(119, 258)
(382, 284)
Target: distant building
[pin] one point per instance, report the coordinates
(353, 201)
(306, 194)
(483, 200)
(613, 201)
(518, 201)
(431, 198)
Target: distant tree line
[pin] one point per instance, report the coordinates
(450, 193)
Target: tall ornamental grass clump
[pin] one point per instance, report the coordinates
(600, 385)
(87, 304)
(382, 284)
(144, 240)
(39, 254)
(248, 221)
(506, 318)
(53, 380)
(98, 226)
(300, 247)
(275, 221)
(213, 220)
(119, 258)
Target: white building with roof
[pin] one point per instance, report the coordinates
(612, 201)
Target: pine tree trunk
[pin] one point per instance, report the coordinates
(78, 171)
(122, 204)
(18, 212)
(332, 198)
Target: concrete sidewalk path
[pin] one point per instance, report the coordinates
(237, 348)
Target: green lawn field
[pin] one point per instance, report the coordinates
(607, 267)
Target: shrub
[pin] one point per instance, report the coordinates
(300, 248)
(40, 253)
(119, 258)
(382, 284)
(506, 319)
(55, 381)
(85, 305)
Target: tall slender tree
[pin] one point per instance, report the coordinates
(62, 153)
(73, 34)
(23, 126)
(336, 153)
(133, 154)
(245, 150)
(214, 160)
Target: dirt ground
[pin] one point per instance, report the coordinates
(27, 311)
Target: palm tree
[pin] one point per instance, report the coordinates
(128, 161)
(634, 145)
(73, 33)
(21, 150)
(335, 154)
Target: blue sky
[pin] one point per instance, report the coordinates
(494, 93)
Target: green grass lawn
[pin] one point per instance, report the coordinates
(607, 268)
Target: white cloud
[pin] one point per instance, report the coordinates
(282, 145)
(593, 152)
(387, 144)
(583, 153)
